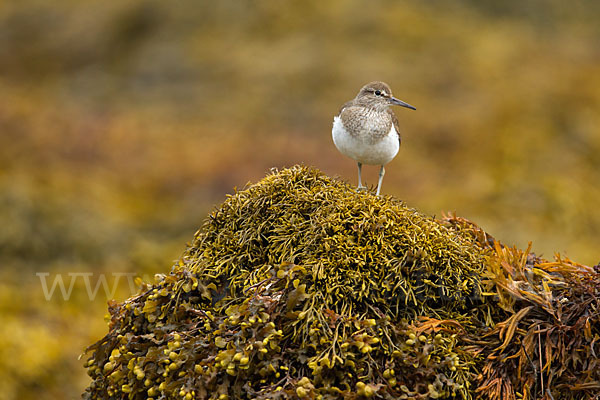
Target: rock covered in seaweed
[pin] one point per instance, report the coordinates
(356, 248)
(300, 287)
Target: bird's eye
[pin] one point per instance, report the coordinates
(378, 92)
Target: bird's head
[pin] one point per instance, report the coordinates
(378, 95)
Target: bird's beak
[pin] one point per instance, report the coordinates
(397, 102)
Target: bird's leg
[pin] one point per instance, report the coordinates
(360, 185)
(381, 174)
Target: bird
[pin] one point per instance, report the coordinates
(366, 129)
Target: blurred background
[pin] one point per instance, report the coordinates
(123, 123)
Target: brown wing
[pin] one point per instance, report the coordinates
(395, 122)
(347, 104)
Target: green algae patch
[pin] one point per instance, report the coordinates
(301, 287)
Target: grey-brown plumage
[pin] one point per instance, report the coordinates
(366, 129)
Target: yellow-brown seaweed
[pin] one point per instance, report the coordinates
(301, 287)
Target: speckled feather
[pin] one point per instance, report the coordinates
(354, 117)
(363, 106)
(366, 129)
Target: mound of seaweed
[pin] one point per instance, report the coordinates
(301, 287)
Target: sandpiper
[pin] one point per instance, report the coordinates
(366, 129)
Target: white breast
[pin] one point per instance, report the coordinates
(362, 148)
